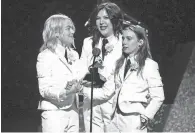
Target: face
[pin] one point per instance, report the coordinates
(69, 30)
(130, 42)
(104, 24)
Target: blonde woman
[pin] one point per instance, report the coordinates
(55, 72)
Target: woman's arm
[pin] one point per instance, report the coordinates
(155, 88)
(50, 87)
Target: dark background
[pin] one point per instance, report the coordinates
(171, 25)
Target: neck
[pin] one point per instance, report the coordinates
(60, 49)
(131, 55)
(110, 36)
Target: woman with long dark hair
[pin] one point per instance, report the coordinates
(105, 25)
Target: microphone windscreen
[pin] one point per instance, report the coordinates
(96, 52)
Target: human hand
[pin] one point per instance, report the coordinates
(70, 84)
(86, 83)
(76, 87)
(72, 87)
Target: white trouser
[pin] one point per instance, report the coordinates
(60, 121)
(101, 116)
(125, 123)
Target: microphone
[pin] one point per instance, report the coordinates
(96, 53)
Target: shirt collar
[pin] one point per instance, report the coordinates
(110, 39)
(132, 59)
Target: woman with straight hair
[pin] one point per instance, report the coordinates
(56, 77)
(139, 88)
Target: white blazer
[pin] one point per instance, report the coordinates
(102, 97)
(53, 73)
(106, 92)
(132, 90)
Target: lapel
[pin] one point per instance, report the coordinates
(128, 73)
(63, 60)
(123, 70)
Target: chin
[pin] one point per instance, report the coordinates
(126, 52)
(104, 33)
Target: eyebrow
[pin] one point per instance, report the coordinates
(102, 16)
(128, 36)
(69, 26)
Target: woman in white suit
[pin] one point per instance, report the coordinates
(139, 89)
(105, 26)
(56, 76)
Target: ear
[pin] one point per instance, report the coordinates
(140, 42)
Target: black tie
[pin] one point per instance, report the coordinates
(66, 55)
(104, 42)
(127, 66)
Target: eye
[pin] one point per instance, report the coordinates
(106, 17)
(123, 38)
(129, 38)
(97, 18)
(68, 28)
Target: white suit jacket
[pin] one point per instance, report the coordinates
(107, 91)
(133, 89)
(53, 73)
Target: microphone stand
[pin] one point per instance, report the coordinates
(95, 53)
(92, 80)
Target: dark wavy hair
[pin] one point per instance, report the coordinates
(115, 15)
(144, 51)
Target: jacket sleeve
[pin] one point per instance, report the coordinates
(102, 95)
(155, 89)
(82, 64)
(50, 87)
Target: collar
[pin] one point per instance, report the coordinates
(111, 39)
(132, 58)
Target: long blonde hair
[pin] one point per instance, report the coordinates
(53, 31)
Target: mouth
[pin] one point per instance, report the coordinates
(124, 47)
(103, 27)
(71, 37)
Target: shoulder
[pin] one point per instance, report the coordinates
(151, 64)
(87, 43)
(45, 55)
(151, 68)
(88, 39)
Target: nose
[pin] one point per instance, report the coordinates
(101, 21)
(124, 41)
(72, 31)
